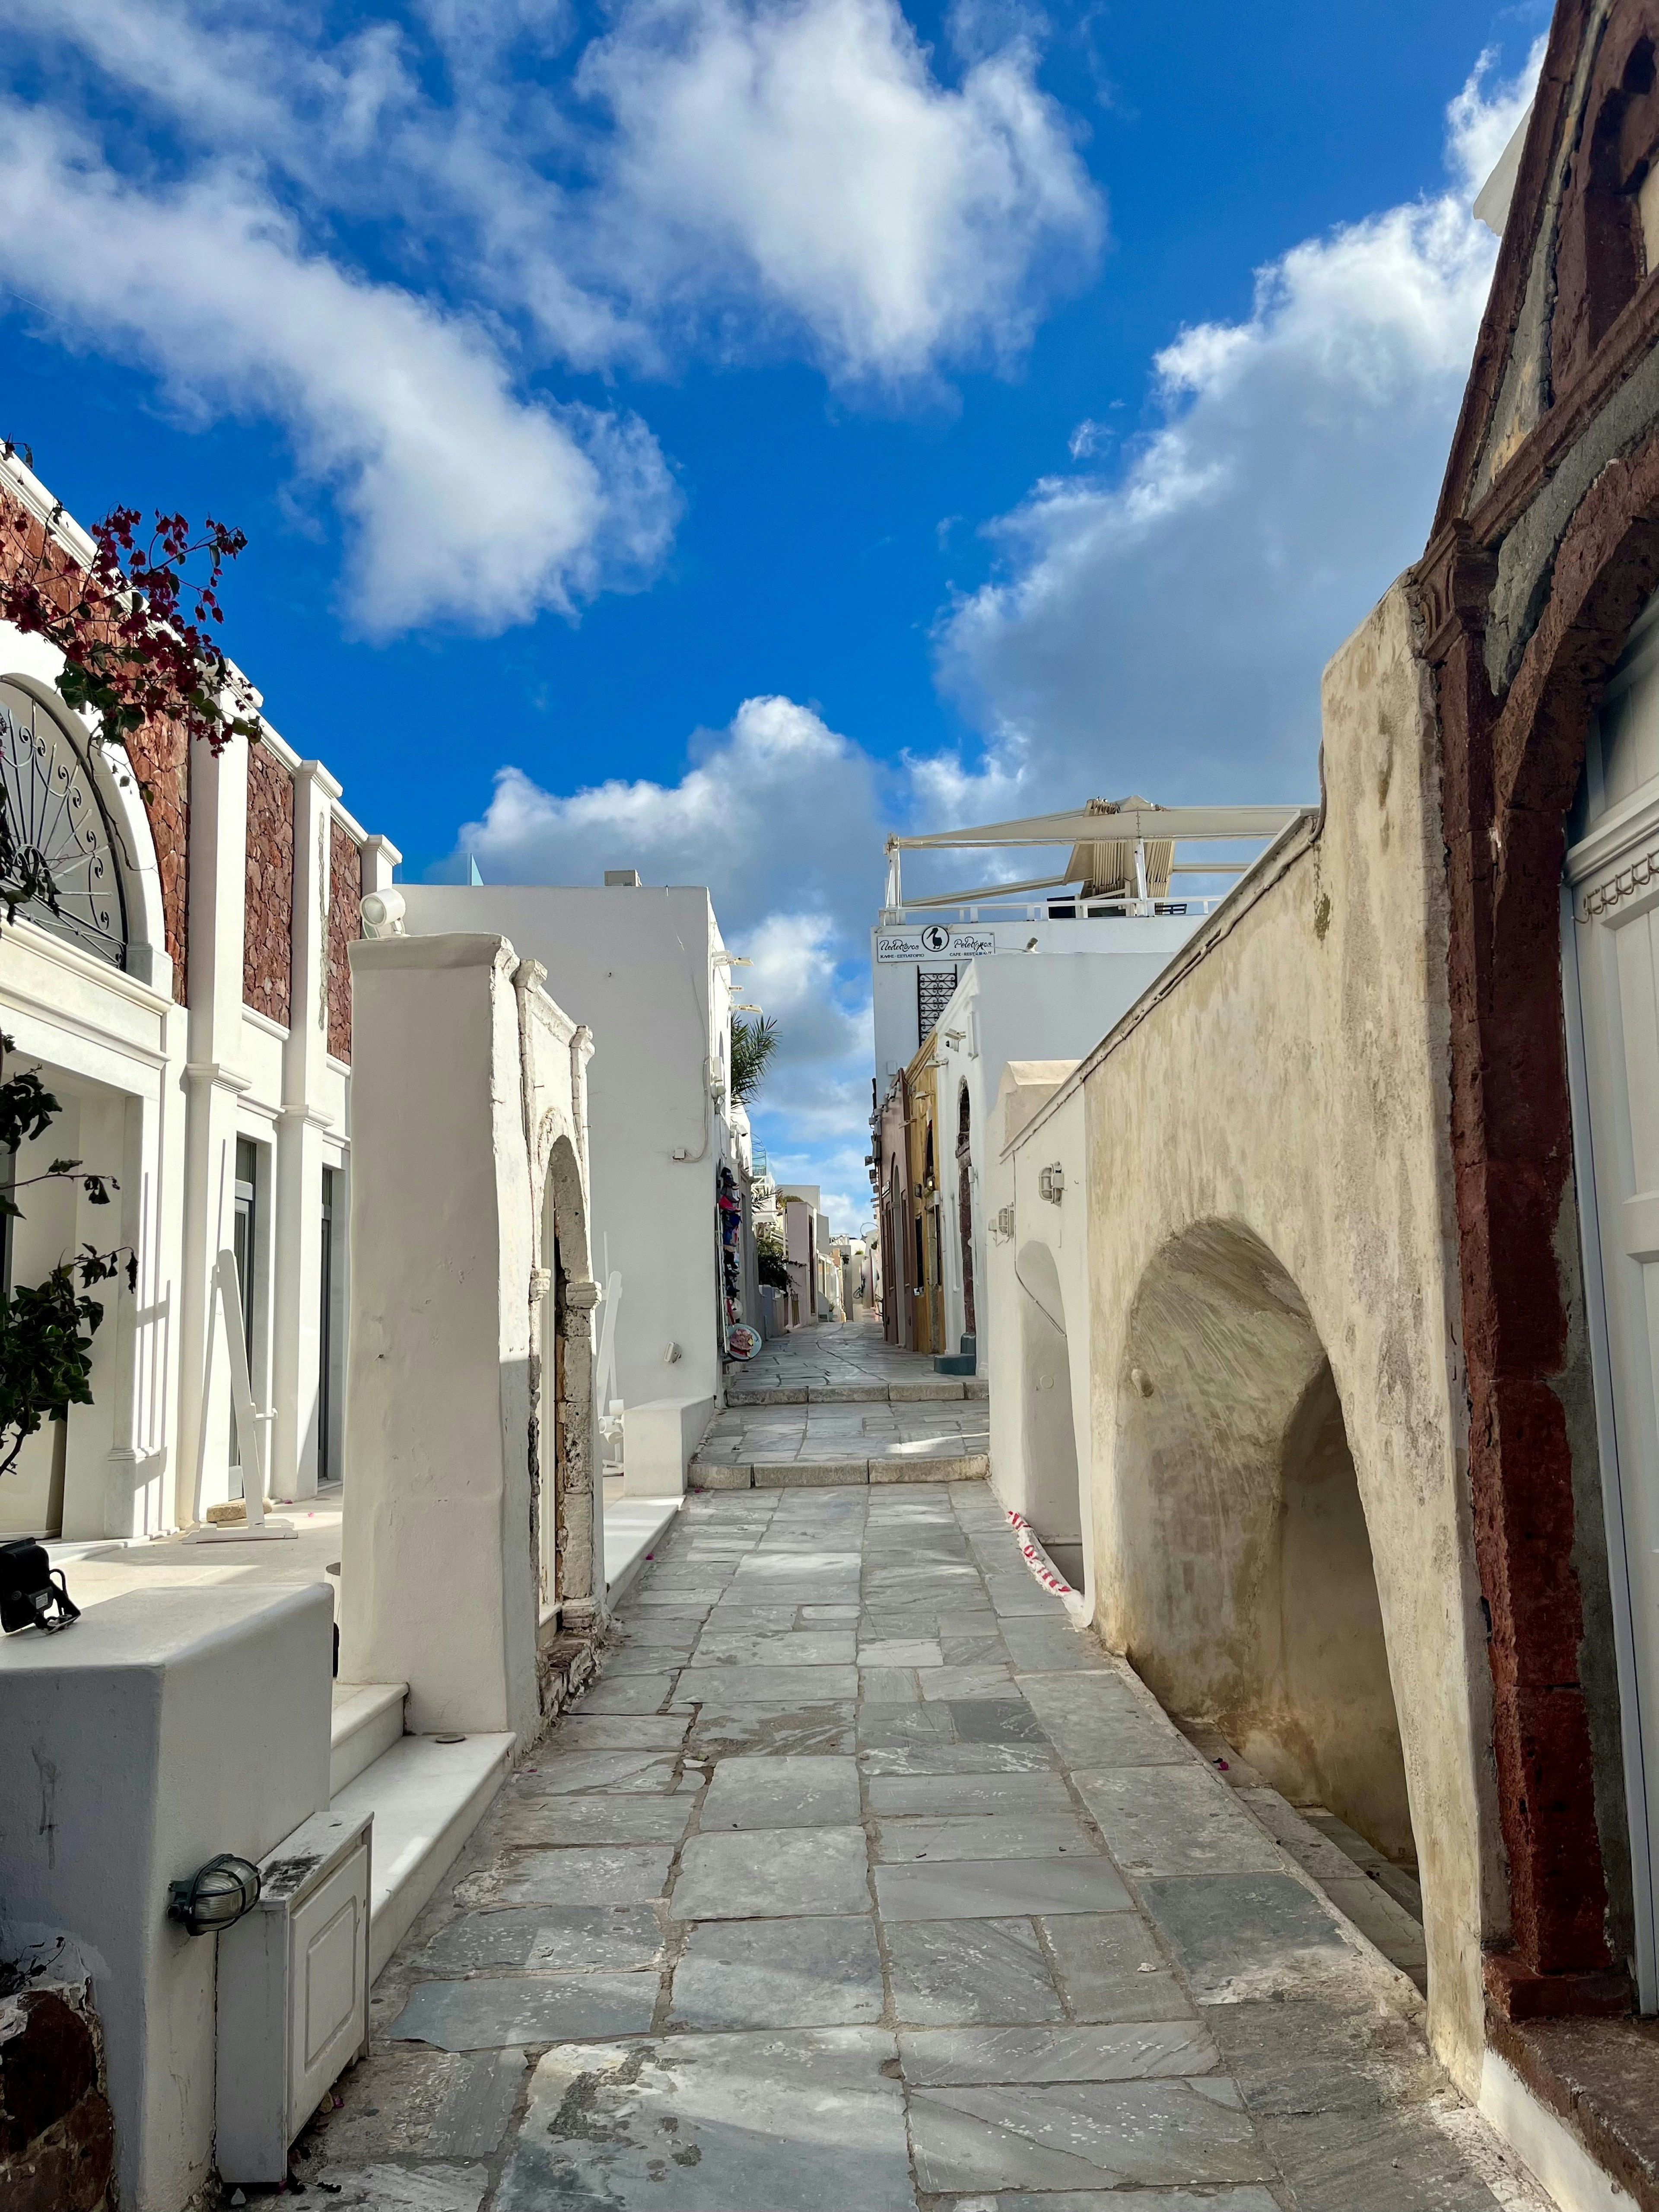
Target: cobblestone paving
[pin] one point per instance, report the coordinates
(860, 1882)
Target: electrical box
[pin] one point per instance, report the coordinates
(293, 2003)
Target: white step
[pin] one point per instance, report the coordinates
(427, 1797)
(632, 1526)
(369, 1719)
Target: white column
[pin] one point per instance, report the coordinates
(381, 857)
(301, 1127)
(218, 894)
(439, 1583)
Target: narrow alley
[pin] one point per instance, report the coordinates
(862, 1880)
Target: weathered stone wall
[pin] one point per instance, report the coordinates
(57, 2132)
(268, 928)
(1288, 1095)
(345, 925)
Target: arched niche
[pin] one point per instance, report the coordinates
(1249, 1598)
(1048, 1433)
(562, 1381)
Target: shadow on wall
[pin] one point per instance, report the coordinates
(1053, 1504)
(1249, 1595)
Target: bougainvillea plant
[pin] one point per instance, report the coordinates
(134, 626)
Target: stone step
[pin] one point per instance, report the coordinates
(427, 1797)
(800, 1474)
(912, 1390)
(368, 1719)
(954, 1363)
(632, 1526)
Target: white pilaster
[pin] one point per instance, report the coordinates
(301, 1127)
(218, 892)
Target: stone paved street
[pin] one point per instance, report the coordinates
(835, 1403)
(837, 1359)
(861, 1882)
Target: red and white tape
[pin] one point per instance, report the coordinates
(1044, 1568)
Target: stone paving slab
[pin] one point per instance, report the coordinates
(1089, 2135)
(772, 1873)
(966, 2057)
(486, 2014)
(807, 2121)
(861, 1879)
(780, 1973)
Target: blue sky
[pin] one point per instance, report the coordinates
(702, 435)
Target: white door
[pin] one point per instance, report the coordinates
(1610, 910)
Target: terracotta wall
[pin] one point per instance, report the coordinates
(345, 899)
(268, 938)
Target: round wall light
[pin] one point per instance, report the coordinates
(215, 1896)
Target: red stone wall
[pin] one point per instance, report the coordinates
(345, 900)
(268, 914)
(158, 754)
(57, 2132)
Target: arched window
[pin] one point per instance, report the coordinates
(55, 810)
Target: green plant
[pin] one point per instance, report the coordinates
(46, 1329)
(768, 1258)
(753, 1044)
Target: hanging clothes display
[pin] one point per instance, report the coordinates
(728, 1216)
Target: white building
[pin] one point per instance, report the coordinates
(645, 970)
(964, 981)
(191, 1007)
(1038, 1006)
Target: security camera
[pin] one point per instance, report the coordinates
(383, 913)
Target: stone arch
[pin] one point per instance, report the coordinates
(965, 1209)
(1249, 1599)
(562, 1475)
(1512, 771)
(1053, 1492)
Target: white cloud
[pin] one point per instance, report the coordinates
(466, 501)
(778, 815)
(1162, 627)
(804, 157)
(775, 814)
(748, 174)
(743, 176)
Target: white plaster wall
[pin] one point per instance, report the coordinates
(1294, 1082)
(103, 1734)
(637, 967)
(1053, 1004)
(1040, 1373)
(1141, 943)
(437, 1566)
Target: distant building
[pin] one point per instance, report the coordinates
(965, 983)
(646, 970)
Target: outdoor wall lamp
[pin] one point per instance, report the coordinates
(1051, 1183)
(32, 1591)
(382, 914)
(215, 1896)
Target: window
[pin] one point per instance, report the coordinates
(244, 1244)
(325, 1340)
(56, 813)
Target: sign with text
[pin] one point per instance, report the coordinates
(935, 941)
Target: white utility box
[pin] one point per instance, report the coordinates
(293, 1993)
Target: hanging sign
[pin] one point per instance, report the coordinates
(935, 941)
